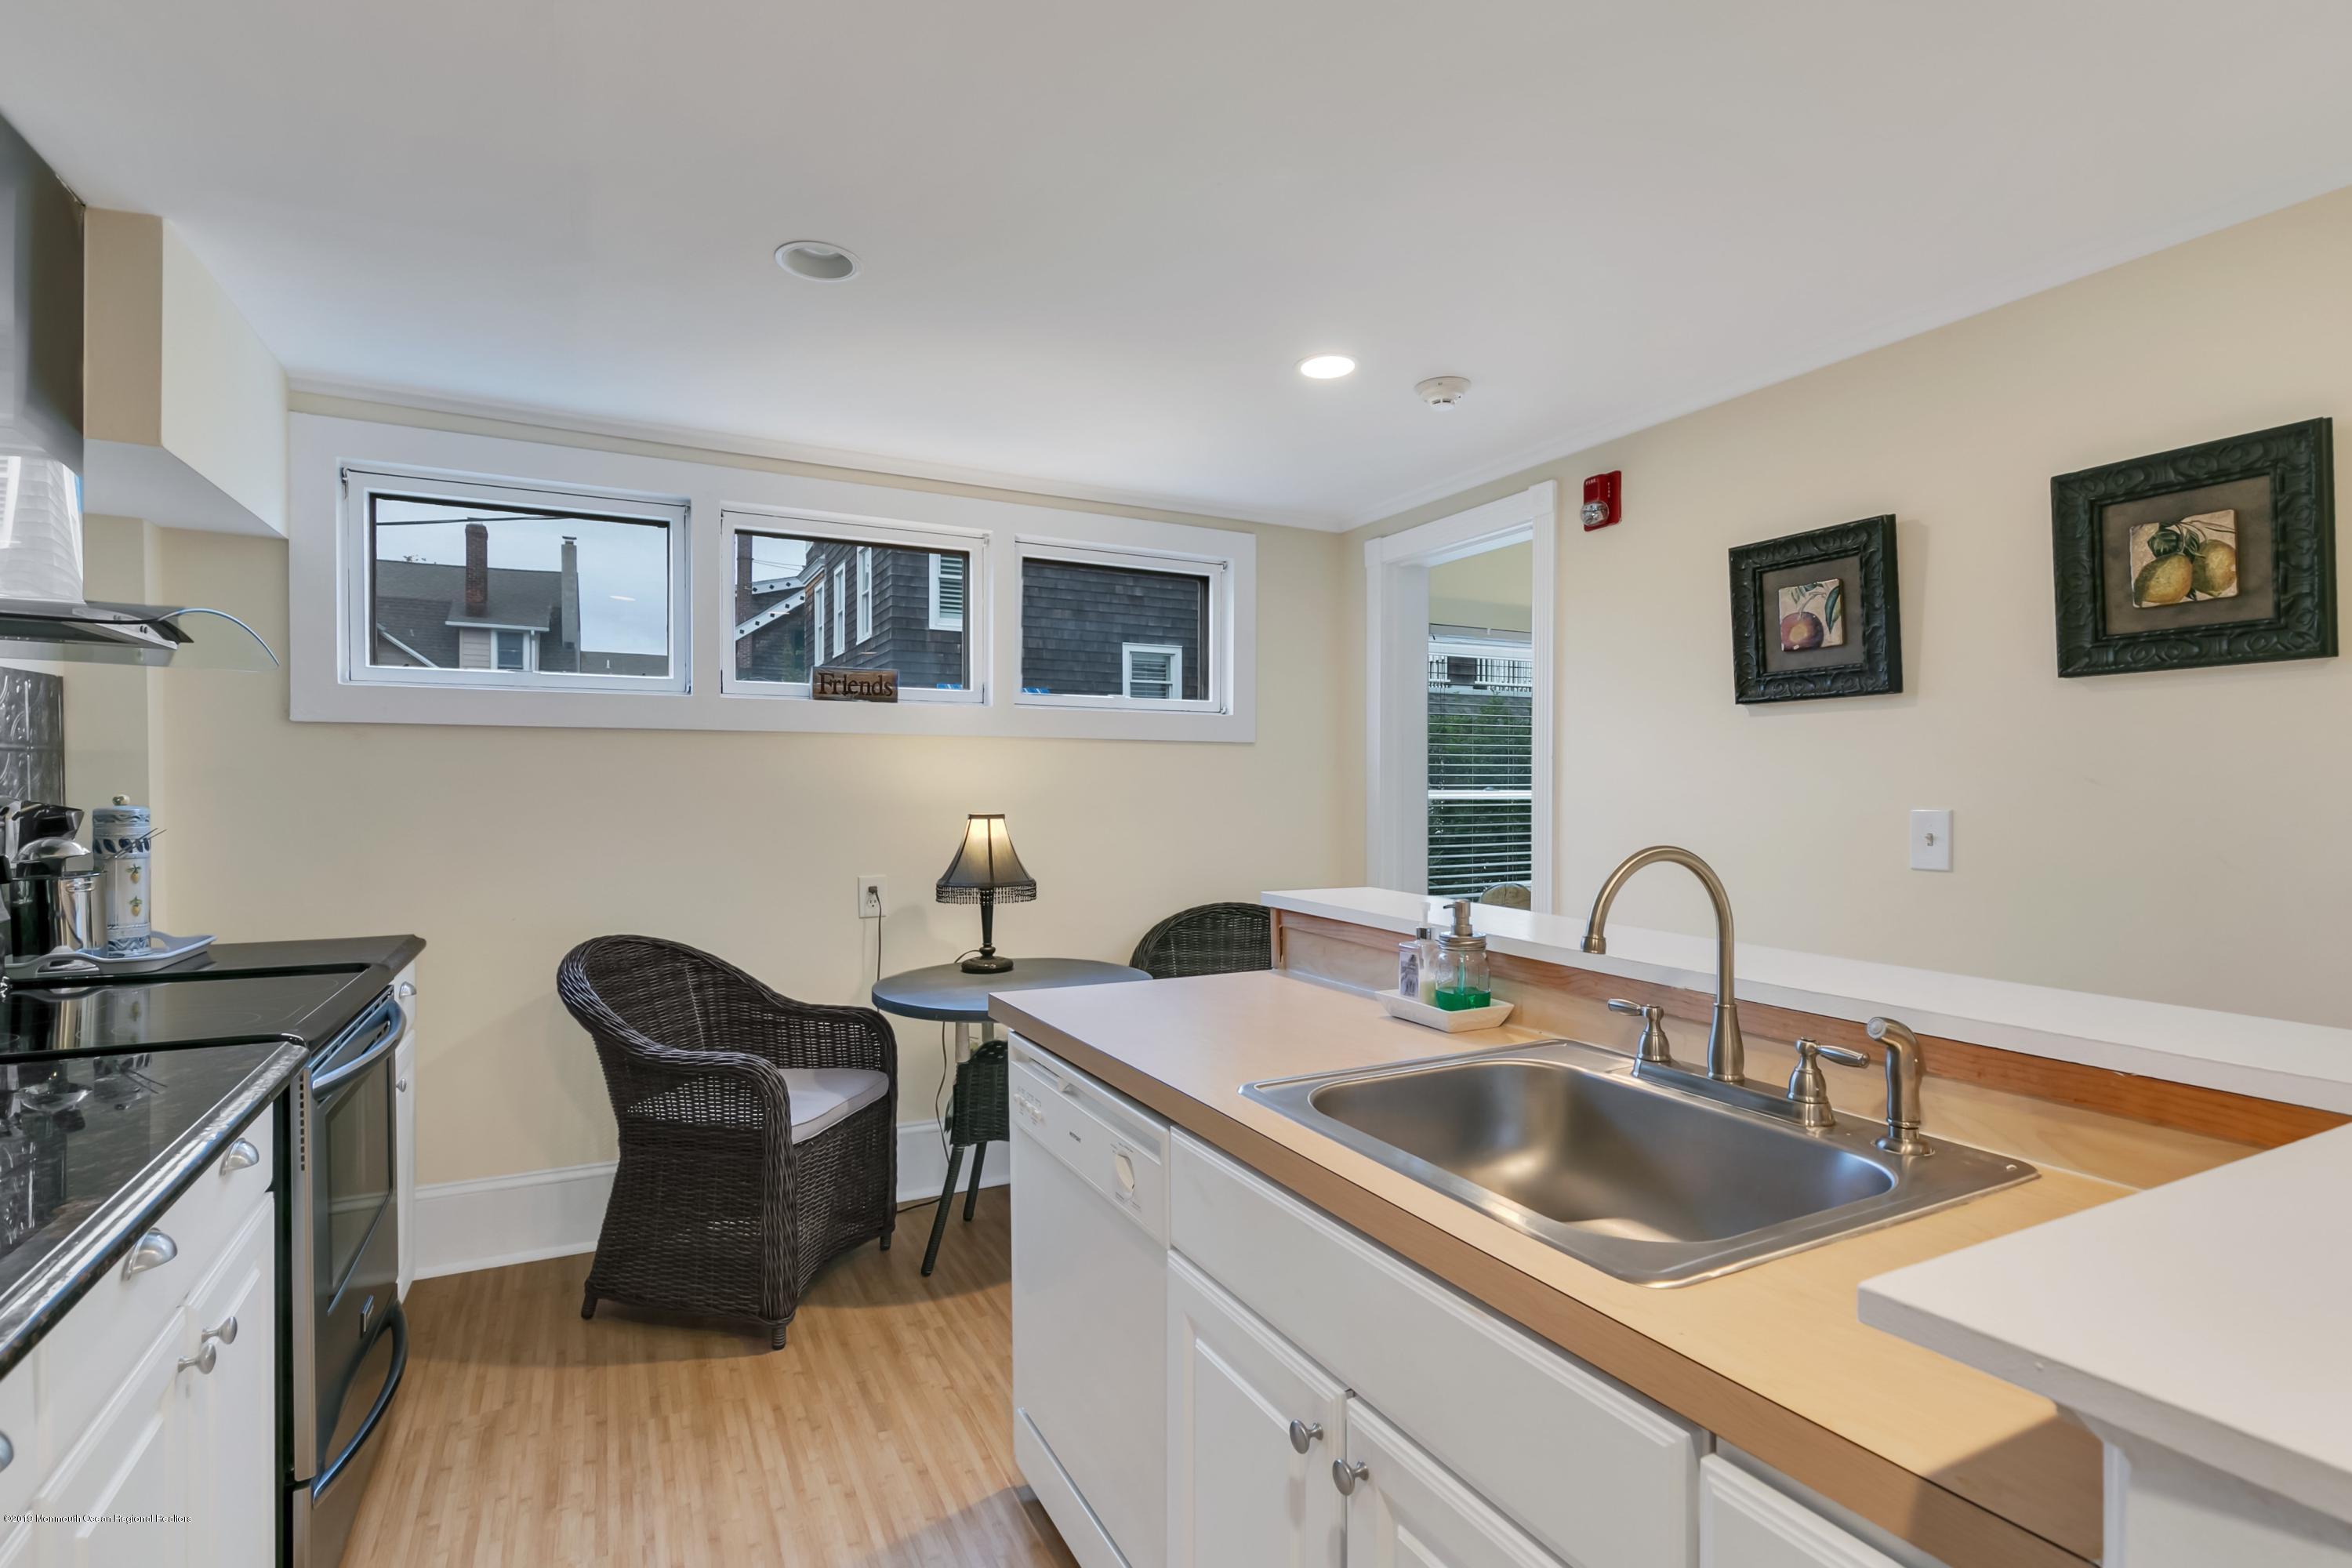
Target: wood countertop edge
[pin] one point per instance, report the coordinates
(1930, 1516)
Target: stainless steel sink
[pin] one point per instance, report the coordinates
(1641, 1180)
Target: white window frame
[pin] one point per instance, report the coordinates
(863, 534)
(816, 622)
(1216, 640)
(840, 608)
(360, 482)
(1126, 652)
(709, 482)
(941, 619)
(1396, 680)
(865, 594)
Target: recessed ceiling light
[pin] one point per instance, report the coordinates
(816, 260)
(1326, 367)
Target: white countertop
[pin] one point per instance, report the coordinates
(2273, 1058)
(2209, 1315)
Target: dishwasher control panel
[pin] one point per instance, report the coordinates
(1114, 1146)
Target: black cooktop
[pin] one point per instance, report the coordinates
(166, 1012)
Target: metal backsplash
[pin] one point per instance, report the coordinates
(32, 736)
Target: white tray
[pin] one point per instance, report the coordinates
(1414, 1011)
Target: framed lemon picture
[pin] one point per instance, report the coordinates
(2222, 553)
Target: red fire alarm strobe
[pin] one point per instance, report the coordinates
(1603, 502)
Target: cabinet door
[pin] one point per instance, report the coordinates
(1406, 1511)
(232, 1421)
(1239, 1493)
(133, 1460)
(403, 1155)
(1745, 1523)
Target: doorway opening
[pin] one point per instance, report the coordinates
(1459, 726)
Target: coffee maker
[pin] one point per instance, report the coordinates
(51, 906)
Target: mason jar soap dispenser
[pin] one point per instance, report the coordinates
(1462, 979)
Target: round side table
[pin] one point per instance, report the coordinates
(978, 1114)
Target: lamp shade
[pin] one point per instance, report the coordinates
(986, 864)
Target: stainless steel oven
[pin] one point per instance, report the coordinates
(350, 1341)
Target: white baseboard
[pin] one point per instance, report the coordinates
(487, 1223)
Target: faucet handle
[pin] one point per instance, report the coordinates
(1655, 1047)
(1808, 1092)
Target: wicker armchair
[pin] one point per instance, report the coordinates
(722, 1205)
(1209, 938)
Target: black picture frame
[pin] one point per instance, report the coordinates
(2298, 462)
(1874, 620)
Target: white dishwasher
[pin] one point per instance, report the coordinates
(1090, 1310)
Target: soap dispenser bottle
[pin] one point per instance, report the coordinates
(1462, 979)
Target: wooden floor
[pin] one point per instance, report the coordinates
(881, 1435)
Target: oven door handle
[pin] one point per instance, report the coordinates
(325, 1082)
(398, 1329)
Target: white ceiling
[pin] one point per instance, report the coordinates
(1098, 234)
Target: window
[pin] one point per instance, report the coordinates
(1102, 628)
(946, 593)
(512, 585)
(792, 607)
(1155, 674)
(865, 594)
(1481, 760)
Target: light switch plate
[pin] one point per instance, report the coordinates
(1931, 840)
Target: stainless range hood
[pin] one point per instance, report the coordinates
(41, 445)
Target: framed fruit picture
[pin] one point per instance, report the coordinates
(1814, 614)
(2224, 553)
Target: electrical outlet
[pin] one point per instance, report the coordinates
(1931, 840)
(869, 897)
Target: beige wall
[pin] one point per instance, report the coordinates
(2179, 836)
(1491, 589)
(504, 846)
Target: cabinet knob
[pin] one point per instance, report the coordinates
(242, 1155)
(203, 1360)
(226, 1333)
(402, 1085)
(1345, 1476)
(7, 1451)
(1303, 1434)
(405, 991)
(154, 1250)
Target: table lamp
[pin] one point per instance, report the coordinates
(984, 870)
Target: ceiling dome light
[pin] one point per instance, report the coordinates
(816, 260)
(1326, 367)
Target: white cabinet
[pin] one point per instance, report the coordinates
(133, 1462)
(1593, 1471)
(1743, 1522)
(156, 1396)
(403, 1133)
(233, 1419)
(1253, 1428)
(1405, 1510)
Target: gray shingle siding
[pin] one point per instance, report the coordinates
(902, 638)
(1074, 619)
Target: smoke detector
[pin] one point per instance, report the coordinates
(1444, 391)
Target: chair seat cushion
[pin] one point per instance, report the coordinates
(823, 1097)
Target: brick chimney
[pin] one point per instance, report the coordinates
(477, 571)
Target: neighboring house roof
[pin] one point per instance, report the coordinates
(518, 598)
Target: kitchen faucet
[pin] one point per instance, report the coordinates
(1726, 1051)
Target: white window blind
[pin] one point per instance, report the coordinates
(865, 594)
(946, 593)
(1481, 732)
(1151, 672)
